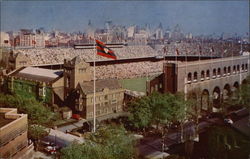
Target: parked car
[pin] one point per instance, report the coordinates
(50, 149)
(76, 116)
(228, 121)
(46, 143)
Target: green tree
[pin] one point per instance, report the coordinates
(109, 142)
(141, 114)
(36, 132)
(157, 109)
(245, 94)
(39, 116)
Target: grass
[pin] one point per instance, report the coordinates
(135, 84)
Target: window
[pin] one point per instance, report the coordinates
(202, 75)
(218, 72)
(82, 70)
(225, 71)
(40, 91)
(195, 76)
(30, 89)
(98, 106)
(234, 69)
(238, 68)
(68, 81)
(228, 70)
(214, 73)
(189, 76)
(106, 97)
(160, 85)
(242, 67)
(246, 67)
(208, 74)
(113, 102)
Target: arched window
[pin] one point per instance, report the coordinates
(218, 72)
(228, 70)
(208, 74)
(224, 71)
(238, 68)
(242, 67)
(189, 77)
(202, 75)
(195, 76)
(214, 73)
(234, 69)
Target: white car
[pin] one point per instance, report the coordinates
(228, 121)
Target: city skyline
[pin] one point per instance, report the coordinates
(201, 17)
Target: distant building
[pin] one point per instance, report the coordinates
(27, 38)
(39, 39)
(14, 135)
(177, 34)
(109, 98)
(131, 31)
(5, 40)
(159, 32)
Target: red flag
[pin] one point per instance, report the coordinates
(103, 50)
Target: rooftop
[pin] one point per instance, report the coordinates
(39, 74)
(3, 120)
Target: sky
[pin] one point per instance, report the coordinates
(197, 17)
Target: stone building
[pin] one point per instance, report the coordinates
(27, 38)
(43, 84)
(4, 39)
(75, 71)
(72, 86)
(16, 61)
(109, 98)
(212, 81)
(14, 135)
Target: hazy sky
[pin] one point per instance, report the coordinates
(202, 17)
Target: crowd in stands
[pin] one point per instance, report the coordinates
(57, 55)
(130, 70)
(204, 49)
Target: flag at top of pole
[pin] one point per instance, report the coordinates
(103, 50)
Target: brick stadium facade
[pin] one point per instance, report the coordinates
(213, 80)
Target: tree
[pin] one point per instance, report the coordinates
(157, 109)
(245, 94)
(140, 113)
(36, 132)
(37, 112)
(39, 116)
(109, 142)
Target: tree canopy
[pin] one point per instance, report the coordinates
(157, 109)
(37, 112)
(110, 142)
(245, 93)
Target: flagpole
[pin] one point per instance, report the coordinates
(94, 111)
